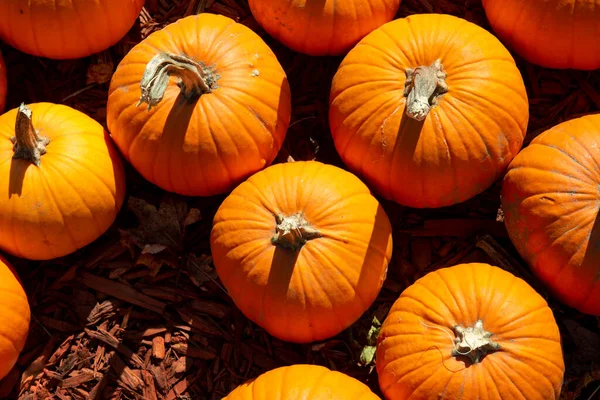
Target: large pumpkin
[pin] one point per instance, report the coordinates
(302, 248)
(322, 27)
(61, 181)
(3, 84)
(66, 29)
(472, 331)
(217, 107)
(550, 198)
(14, 314)
(302, 382)
(429, 110)
(551, 33)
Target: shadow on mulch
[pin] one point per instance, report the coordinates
(140, 313)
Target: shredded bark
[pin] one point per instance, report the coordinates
(141, 314)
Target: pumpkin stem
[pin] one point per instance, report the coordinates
(27, 143)
(423, 89)
(473, 342)
(293, 232)
(195, 78)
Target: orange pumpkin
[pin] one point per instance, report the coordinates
(61, 181)
(66, 29)
(322, 27)
(218, 105)
(550, 198)
(3, 84)
(472, 331)
(14, 308)
(551, 33)
(302, 382)
(302, 248)
(428, 110)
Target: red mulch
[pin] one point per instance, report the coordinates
(140, 313)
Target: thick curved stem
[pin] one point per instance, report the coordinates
(195, 79)
(473, 342)
(293, 232)
(28, 144)
(423, 89)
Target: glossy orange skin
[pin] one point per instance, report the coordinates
(325, 287)
(302, 382)
(72, 198)
(468, 138)
(15, 314)
(66, 29)
(550, 33)
(3, 84)
(322, 27)
(210, 146)
(550, 198)
(415, 342)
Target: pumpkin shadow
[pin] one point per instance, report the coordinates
(590, 270)
(18, 168)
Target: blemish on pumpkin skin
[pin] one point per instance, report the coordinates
(258, 117)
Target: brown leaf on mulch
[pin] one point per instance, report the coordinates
(141, 313)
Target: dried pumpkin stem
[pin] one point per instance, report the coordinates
(473, 342)
(27, 143)
(423, 89)
(194, 78)
(293, 232)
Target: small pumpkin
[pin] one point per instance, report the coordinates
(3, 84)
(218, 105)
(322, 27)
(302, 248)
(550, 198)
(62, 182)
(550, 33)
(14, 308)
(302, 382)
(428, 110)
(66, 29)
(470, 331)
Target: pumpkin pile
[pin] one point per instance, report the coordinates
(425, 111)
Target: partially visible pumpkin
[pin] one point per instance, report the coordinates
(550, 33)
(61, 181)
(322, 27)
(550, 199)
(3, 84)
(218, 105)
(428, 110)
(302, 248)
(14, 317)
(302, 382)
(472, 331)
(66, 29)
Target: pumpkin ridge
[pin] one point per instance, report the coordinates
(59, 173)
(319, 253)
(478, 98)
(89, 170)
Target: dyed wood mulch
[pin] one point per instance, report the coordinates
(140, 313)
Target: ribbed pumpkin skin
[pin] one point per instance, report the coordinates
(550, 33)
(325, 287)
(66, 29)
(302, 382)
(467, 139)
(415, 342)
(550, 198)
(14, 308)
(3, 84)
(72, 198)
(209, 146)
(322, 27)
